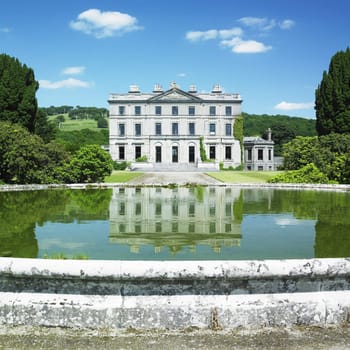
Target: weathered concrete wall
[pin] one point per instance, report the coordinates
(128, 278)
(174, 295)
(175, 312)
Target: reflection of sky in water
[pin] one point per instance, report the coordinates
(277, 236)
(263, 236)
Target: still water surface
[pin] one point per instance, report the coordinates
(210, 223)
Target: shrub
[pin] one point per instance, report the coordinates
(141, 159)
(307, 174)
(120, 165)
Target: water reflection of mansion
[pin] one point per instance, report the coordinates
(174, 218)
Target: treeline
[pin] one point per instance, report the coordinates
(284, 128)
(77, 112)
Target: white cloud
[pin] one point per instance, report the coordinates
(198, 35)
(73, 70)
(245, 46)
(266, 24)
(213, 34)
(235, 38)
(229, 33)
(67, 83)
(104, 24)
(291, 106)
(181, 75)
(5, 30)
(287, 24)
(250, 46)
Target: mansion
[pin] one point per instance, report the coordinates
(168, 129)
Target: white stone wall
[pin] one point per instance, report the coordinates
(183, 140)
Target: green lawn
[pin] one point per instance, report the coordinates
(244, 176)
(71, 125)
(122, 176)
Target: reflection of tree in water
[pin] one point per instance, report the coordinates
(20, 212)
(330, 209)
(333, 227)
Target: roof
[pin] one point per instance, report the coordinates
(256, 140)
(174, 94)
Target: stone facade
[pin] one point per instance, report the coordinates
(165, 127)
(258, 153)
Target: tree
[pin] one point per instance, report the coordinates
(332, 96)
(24, 158)
(102, 123)
(89, 164)
(281, 134)
(18, 86)
(307, 174)
(300, 152)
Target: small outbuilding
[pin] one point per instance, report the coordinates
(258, 153)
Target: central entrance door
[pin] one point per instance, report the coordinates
(158, 154)
(175, 154)
(191, 154)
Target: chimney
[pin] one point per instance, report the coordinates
(217, 89)
(192, 89)
(134, 89)
(157, 88)
(269, 134)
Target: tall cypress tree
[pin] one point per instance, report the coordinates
(332, 97)
(18, 86)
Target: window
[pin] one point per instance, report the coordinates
(137, 110)
(191, 129)
(228, 154)
(137, 129)
(191, 110)
(121, 110)
(138, 209)
(158, 129)
(212, 110)
(270, 154)
(121, 152)
(137, 152)
(212, 152)
(249, 154)
(158, 110)
(175, 128)
(158, 209)
(260, 154)
(212, 128)
(228, 129)
(174, 110)
(191, 209)
(175, 209)
(122, 208)
(228, 110)
(121, 129)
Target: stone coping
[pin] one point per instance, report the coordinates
(126, 269)
(153, 304)
(132, 278)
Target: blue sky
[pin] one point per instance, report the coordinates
(272, 52)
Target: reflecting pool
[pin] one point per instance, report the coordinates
(181, 223)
